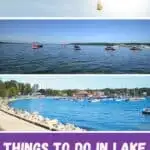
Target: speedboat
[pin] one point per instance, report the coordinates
(146, 111)
(110, 48)
(135, 48)
(77, 47)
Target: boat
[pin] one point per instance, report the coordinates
(36, 45)
(135, 48)
(77, 47)
(122, 99)
(137, 98)
(146, 111)
(110, 48)
(107, 99)
(95, 100)
(146, 47)
(116, 46)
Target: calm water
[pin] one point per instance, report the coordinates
(21, 58)
(106, 115)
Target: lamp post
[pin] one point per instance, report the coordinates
(99, 5)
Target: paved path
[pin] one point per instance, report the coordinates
(10, 123)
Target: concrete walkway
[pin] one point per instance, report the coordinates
(10, 123)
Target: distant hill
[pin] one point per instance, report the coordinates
(106, 43)
(10, 42)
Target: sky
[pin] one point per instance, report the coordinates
(56, 31)
(82, 81)
(74, 8)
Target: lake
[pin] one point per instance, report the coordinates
(102, 116)
(55, 59)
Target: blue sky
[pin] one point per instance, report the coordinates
(82, 81)
(58, 31)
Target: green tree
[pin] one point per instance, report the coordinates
(12, 92)
(27, 89)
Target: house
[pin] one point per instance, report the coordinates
(81, 94)
(98, 94)
(36, 94)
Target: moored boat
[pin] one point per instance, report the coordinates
(121, 99)
(77, 47)
(110, 48)
(36, 45)
(135, 48)
(136, 98)
(146, 111)
(95, 100)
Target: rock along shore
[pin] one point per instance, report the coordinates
(36, 119)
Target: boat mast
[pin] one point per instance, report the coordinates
(134, 93)
(99, 5)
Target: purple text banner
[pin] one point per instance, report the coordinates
(74, 141)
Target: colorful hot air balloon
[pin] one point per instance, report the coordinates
(99, 5)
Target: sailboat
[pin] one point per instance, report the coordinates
(135, 97)
(99, 5)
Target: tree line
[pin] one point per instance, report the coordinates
(109, 43)
(13, 88)
(52, 92)
(107, 92)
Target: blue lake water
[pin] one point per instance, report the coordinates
(21, 58)
(106, 115)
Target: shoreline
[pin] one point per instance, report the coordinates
(36, 119)
(137, 98)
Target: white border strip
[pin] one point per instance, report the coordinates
(83, 132)
(74, 18)
(55, 75)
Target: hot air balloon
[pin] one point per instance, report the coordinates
(99, 5)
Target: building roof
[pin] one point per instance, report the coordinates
(82, 92)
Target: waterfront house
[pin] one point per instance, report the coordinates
(37, 94)
(98, 94)
(81, 94)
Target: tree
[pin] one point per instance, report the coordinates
(27, 89)
(3, 90)
(12, 92)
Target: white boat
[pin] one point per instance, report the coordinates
(95, 100)
(145, 46)
(116, 46)
(118, 100)
(146, 111)
(121, 99)
(137, 98)
(107, 99)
